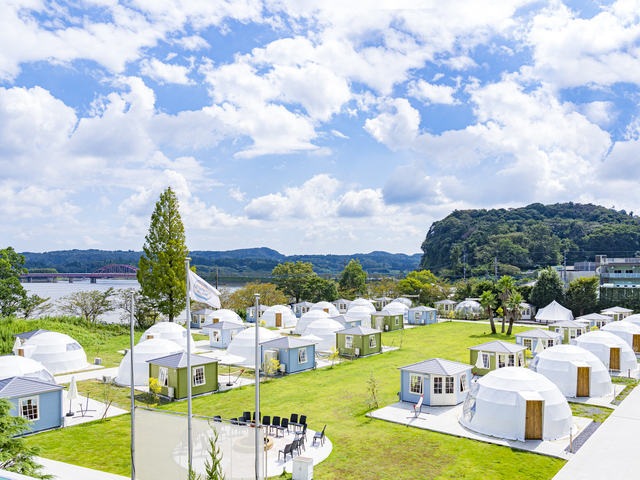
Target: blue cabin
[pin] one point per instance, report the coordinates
(442, 382)
(342, 305)
(221, 333)
(421, 315)
(294, 354)
(301, 308)
(198, 317)
(531, 338)
(251, 312)
(38, 401)
(346, 321)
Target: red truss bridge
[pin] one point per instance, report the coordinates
(108, 271)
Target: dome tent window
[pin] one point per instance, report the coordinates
(29, 408)
(198, 376)
(73, 346)
(416, 384)
(463, 382)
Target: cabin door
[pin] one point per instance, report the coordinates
(583, 382)
(636, 343)
(614, 358)
(443, 390)
(533, 423)
(278, 319)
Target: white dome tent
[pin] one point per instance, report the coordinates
(610, 349)
(57, 352)
(326, 329)
(244, 344)
(362, 313)
(397, 308)
(310, 317)
(330, 308)
(576, 371)
(143, 351)
(362, 302)
(15, 366)
(635, 319)
(279, 316)
(554, 312)
(168, 331)
(629, 332)
(497, 405)
(404, 301)
(223, 315)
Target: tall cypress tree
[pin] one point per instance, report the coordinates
(162, 275)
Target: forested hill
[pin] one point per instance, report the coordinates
(248, 262)
(529, 237)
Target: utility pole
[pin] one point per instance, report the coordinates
(495, 268)
(216, 277)
(564, 271)
(465, 264)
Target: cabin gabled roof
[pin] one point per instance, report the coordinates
(287, 342)
(539, 333)
(437, 366)
(179, 360)
(499, 346)
(359, 331)
(23, 386)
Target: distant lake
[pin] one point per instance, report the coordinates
(62, 288)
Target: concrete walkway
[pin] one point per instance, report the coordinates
(600, 401)
(612, 451)
(88, 375)
(95, 411)
(66, 471)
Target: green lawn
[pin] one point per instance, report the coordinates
(362, 448)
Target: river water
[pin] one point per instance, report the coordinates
(55, 291)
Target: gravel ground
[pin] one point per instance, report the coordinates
(583, 437)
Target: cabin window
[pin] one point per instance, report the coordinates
(215, 335)
(549, 343)
(416, 316)
(485, 360)
(463, 382)
(415, 382)
(578, 332)
(198, 376)
(511, 362)
(29, 408)
(372, 341)
(557, 330)
(502, 361)
(348, 341)
(527, 343)
(397, 321)
(163, 377)
(572, 334)
(302, 355)
(437, 385)
(449, 385)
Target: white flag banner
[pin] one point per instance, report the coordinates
(202, 292)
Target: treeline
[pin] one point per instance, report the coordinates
(527, 238)
(247, 263)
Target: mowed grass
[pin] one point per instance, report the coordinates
(362, 448)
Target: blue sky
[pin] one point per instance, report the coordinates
(308, 127)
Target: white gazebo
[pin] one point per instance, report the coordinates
(168, 331)
(15, 366)
(327, 307)
(362, 302)
(325, 329)
(143, 351)
(628, 331)
(613, 351)
(517, 404)
(57, 352)
(554, 312)
(308, 318)
(576, 371)
(279, 316)
(244, 344)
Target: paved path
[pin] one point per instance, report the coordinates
(66, 471)
(89, 375)
(612, 451)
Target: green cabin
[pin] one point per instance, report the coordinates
(570, 330)
(171, 372)
(496, 354)
(387, 321)
(359, 341)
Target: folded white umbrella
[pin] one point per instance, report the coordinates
(16, 345)
(479, 362)
(72, 394)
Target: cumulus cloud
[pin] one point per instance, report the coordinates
(430, 93)
(165, 72)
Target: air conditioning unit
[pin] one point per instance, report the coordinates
(107, 378)
(270, 354)
(386, 328)
(97, 361)
(357, 352)
(171, 392)
(283, 368)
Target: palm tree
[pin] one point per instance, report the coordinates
(488, 301)
(506, 285)
(515, 314)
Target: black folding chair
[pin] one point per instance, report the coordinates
(284, 425)
(319, 436)
(276, 424)
(302, 435)
(288, 450)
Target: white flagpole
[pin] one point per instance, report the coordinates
(133, 399)
(257, 410)
(189, 374)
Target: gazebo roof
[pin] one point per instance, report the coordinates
(499, 346)
(437, 366)
(554, 312)
(539, 333)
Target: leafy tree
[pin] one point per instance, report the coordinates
(425, 284)
(318, 289)
(506, 285)
(12, 294)
(291, 277)
(89, 304)
(513, 305)
(145, 314)
(373, 391)
(548, 288)
(582, 295)
(384, 287)
(353, 279)
(15, 455)
(464, 289)
(162, 275)
(244, 297)
(489, 301)
(34, 306)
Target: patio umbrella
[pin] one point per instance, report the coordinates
(479, 363)
(16, 345)
(72, 394)
(539, 346)
(230, 360)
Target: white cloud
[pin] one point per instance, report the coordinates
(236, 194)
(363, 203)
(164, 72)
(338, 134)
(430, 93)
(90, 242)
(194, 42)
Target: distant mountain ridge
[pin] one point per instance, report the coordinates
(241, 262)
